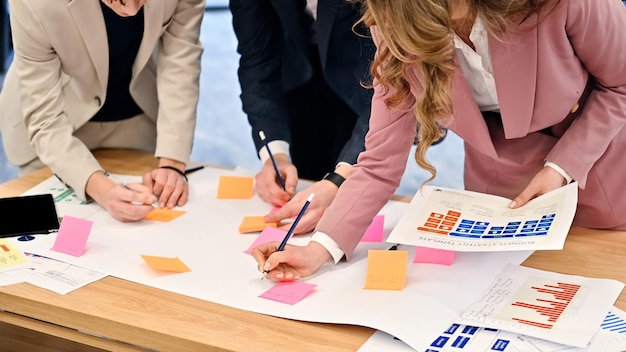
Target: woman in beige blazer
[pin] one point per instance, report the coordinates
(93, 74)
(536, 89)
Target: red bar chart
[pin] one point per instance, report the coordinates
(542, 305)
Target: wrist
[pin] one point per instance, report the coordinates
(167, 163)
(98, 185)
(335, 178)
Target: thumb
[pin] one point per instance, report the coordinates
(521, 199)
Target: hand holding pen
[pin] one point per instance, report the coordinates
(277, 180)
(125, 202)
(283, 262)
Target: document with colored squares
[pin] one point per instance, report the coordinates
(468, 221)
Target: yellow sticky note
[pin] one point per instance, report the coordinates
(166, 264)
(235, 187)
(164, 214)
(9, 255)
(386, 270)
(254, 224)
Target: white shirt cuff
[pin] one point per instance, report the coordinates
(560, 170)
(277, 147)
(330, 245)
(342, 163)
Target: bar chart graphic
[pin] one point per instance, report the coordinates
(453, 224)
(541, 304)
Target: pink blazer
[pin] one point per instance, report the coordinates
(549, 113)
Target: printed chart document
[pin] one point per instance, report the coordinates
(468, 221)
(610, 337)
(55, 275)
(566, 309)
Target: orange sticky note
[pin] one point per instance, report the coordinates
(386, 270)
(235, 187)
(254, 224)
(164, 214)
(166, 264)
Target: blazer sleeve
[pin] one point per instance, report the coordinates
(375, 177)
(260, 42)
(596, 32)
(178, 77)
(50, 132)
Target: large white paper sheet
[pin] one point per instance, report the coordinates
(566, 309)
(461, 220)
(206, 239)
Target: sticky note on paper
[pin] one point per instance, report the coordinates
(72, 236)
(166, 264)
(164, 214)
(270, 234)
(10, 255)
(375, 232)
(288, 292)
(386, 270)
(254, 224)
(235, 187)
(433, 256)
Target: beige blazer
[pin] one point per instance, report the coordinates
(58, 80)
(562, 94)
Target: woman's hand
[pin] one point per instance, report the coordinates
(292, 263)
(324, 191)
(169, 185)
(546, 180)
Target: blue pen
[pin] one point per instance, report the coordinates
(280, 177)
(294, 224)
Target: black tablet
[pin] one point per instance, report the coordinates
(27, 215)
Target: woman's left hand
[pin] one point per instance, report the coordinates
(546, 180)
(170, 186)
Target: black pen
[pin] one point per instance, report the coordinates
(293, 225)
(194, 169)
(278, 175)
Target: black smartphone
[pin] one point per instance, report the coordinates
(27, 215)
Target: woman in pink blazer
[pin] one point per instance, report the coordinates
(535, 88)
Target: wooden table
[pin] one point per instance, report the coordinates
(120, 315)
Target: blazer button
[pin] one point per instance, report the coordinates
(98, 101)
(575, 108)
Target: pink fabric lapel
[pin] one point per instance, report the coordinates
(514, 59)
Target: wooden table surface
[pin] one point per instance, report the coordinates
(130, 314)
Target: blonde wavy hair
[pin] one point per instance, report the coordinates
(419, 33)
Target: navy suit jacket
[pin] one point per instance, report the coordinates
(274, 44)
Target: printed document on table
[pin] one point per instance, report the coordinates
(611, 337)
(566, 309)
(55, 275)
(468, 221)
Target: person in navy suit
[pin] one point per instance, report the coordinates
(303, 70)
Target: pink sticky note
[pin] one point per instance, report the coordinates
(375, 232)
(72, 236)
(268, 235)
(433, 256)
(288, 292)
